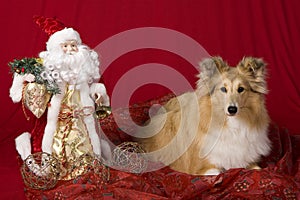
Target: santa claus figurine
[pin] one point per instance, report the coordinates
(71, 128)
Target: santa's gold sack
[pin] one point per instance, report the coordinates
(36, 98)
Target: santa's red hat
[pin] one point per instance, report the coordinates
(57, 31)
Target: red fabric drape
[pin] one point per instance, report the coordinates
(231, 29)
(279, 178)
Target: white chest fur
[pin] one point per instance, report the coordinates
(235, 145)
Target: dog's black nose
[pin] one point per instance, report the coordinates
(232, 110)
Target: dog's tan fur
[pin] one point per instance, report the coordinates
(195, 134)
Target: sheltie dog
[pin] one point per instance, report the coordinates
(222, 125)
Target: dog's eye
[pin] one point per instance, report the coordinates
(223, 89)
(240, 89)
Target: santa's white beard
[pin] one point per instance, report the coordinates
(76, 68)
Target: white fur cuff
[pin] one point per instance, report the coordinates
(23, 145)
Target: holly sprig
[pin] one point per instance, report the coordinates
(26, 66)
(33, 66)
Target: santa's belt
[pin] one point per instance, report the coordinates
(68, 112)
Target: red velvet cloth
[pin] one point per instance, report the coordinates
(279, 178)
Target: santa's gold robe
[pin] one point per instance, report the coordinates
(71, 139)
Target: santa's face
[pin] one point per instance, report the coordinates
(69, 47)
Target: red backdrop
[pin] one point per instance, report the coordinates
(231, 29)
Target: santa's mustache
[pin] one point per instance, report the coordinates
(75, 59)
(59, 59)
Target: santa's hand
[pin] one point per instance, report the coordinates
(99, 94)
(29, 78)
(102, 100)
(23, 145)
(15, 91)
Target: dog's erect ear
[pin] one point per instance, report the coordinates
(221, 65)
(252, 66)
(254, 69)
(210, 71)
(210, 66)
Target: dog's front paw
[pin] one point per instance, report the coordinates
(212, 172)
(254, 166)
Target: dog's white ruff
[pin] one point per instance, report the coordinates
(236, 145)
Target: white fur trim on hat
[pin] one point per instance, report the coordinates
(62, 36)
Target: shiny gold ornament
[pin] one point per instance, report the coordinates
(101, 111)
(41, 171)
(40, 60)
(88, 163)
(80, 166)
(101, 169)
(36, 98)
(129, 157)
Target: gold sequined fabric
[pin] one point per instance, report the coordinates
(36, 98)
